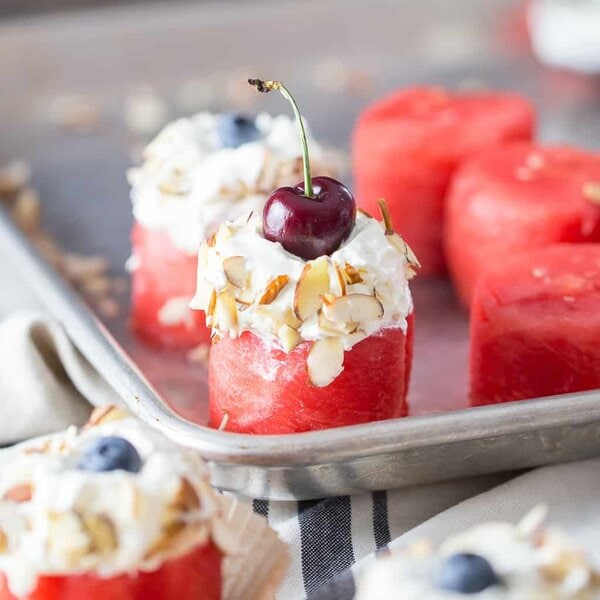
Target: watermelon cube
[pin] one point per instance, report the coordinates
(163, 283)
(535, 325)
(407, 146)
(257, 388)
(516, 198)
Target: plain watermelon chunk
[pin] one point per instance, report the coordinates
(518, 198)
(164, 274)
(266, 391)
(535, 325)
(407, 146)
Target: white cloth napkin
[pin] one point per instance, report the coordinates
(45, 382)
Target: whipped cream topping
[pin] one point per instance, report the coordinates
(189, 183)
(248, 283)
(58, 519)
(532, 564)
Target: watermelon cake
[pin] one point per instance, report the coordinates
(535, 325)
(407, 146)
(197, 173)
(515, 198)
(115, 511)
(310, 309)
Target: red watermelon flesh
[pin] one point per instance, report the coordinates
(263, 390)
(191, 576)
(164, 272)
(514, 199)
(535, 325)
(407, 146)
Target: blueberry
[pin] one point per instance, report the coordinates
(236, 129)
(109, 454)
(466, 574)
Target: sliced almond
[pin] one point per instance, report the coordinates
(105, 414)
(402, 247)
(591, 192)
(312, 284)
(203, 256)
(212, 303)
(235, 270)
(19, 493)
(332, 328)
(225, 312)
(102, 533)
(289, 337)
(224, 232)
(325, 361)
(385, 215)
(203, 297)
(352, 274)
(289, 318)
(273, 288)
(186, 498)
(245, 296)
(3, 542)
(353, 309)
(339, 276)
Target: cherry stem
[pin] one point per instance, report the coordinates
(268, 86)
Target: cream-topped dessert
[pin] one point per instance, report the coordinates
(190, 181)
(492, 561)
(114, 498)
(247, 283)
(310, 309)
(196, 174)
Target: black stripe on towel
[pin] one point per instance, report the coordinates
(326, 540)
(261, 507)
(381, 525)
(340, 588)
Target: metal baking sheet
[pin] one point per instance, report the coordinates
(81, 179)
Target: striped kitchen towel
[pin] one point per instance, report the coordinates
(326, 537)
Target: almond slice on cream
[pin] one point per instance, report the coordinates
(225, 315)
(352, 274)
(325, 361)
(273, 288)
(203, 296)
(235, 270)
(312, 284)
(332, 328)
(353, 308)
(339, 276)
(288, 337)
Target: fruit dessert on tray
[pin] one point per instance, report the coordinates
(407, 146)
(535, 325)
(310, 309)
(519, 197)
(491, 561)
(197, 173)
(113, 511)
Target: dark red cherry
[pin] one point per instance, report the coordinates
(310, 227)
(314, 217)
